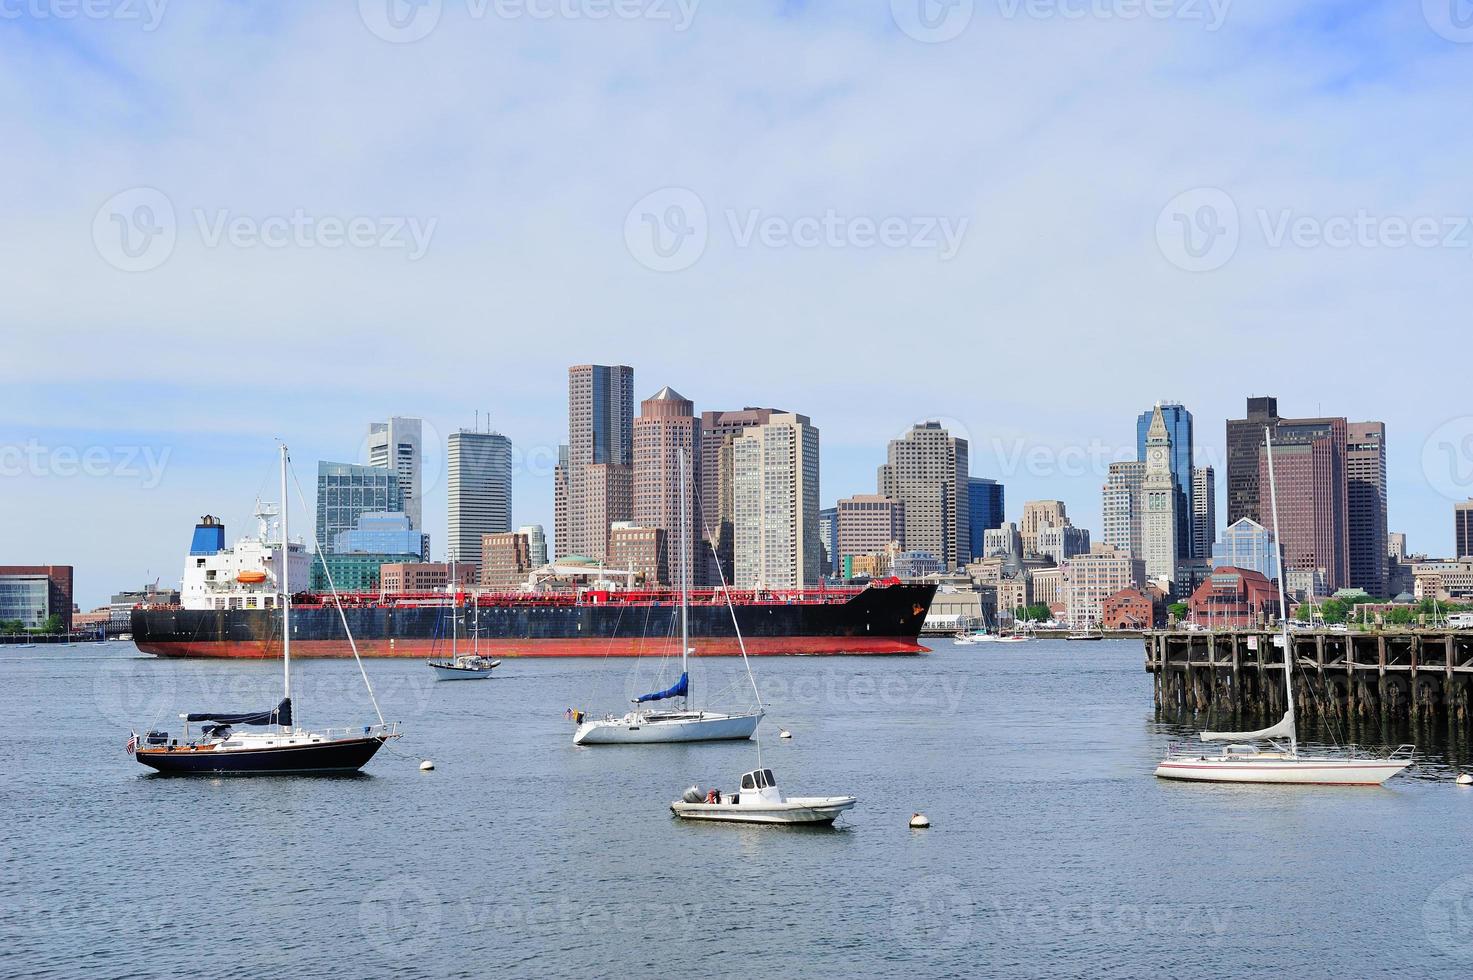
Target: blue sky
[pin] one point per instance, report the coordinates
(1200, 204)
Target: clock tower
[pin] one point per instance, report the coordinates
(1159, 497)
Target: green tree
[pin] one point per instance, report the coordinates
(1036, 613)
(52, 624)
(9, 626)
(1178, 611)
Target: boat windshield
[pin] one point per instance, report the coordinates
(747, 782)
(768, 779)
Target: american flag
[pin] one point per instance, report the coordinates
(132, 742)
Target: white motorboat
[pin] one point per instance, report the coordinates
(645, 726)
(1282, 763)
(760, 801)
(469, 667)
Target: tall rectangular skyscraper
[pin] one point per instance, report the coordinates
(1309, 462)
(1204, 511)
(397, 445)
(714, 513)
(600, 433)
(1365, 473)
(346, 491)
(1123, 508)
(775, 504)
(1462, 531)
(985, 512)
(478, 467)
(927, 472)
(1244, 440)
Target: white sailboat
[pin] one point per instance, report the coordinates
(1242, 761)
(643, 726)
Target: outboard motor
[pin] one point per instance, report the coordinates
(694, 795)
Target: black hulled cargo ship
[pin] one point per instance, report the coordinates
(229, 598)
(884, 618)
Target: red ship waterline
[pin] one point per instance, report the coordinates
(882, 618)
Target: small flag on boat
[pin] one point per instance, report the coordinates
(132, 742)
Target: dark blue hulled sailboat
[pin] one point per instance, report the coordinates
(281, 748)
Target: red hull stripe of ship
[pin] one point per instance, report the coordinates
(593, 647)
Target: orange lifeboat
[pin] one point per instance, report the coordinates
(250, 578)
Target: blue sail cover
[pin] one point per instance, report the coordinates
(681, 688)
(279, 715)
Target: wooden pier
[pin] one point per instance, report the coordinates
(1386, 675)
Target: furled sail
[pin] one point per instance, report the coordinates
(1284, 729)
(681, 688)
(279, 715)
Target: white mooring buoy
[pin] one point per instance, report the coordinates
(1465, 779)
(784, 733)
(919, 821)
(426, 766)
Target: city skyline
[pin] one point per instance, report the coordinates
(1037, 465)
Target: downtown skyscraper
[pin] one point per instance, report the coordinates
(598, 482)
(927, 472)
(666, 434)
(1332, 492)
(775, 504)
(1179, 430)
(478, 471)
(714, 512)
(397, 445)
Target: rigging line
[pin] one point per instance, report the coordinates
(337, 600)
(742, 643)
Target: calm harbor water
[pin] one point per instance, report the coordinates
(1053, 852)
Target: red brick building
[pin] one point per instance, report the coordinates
(1128, 609)
(423, 576)
(1234, 598)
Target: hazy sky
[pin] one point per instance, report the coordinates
(230, 222)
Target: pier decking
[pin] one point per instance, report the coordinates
(1387, 674)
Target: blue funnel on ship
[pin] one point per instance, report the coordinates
(209, 537)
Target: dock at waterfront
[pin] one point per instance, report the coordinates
(1384, 674)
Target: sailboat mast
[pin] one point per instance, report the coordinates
(286, 590)
(1273, 491)
(684, 578)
